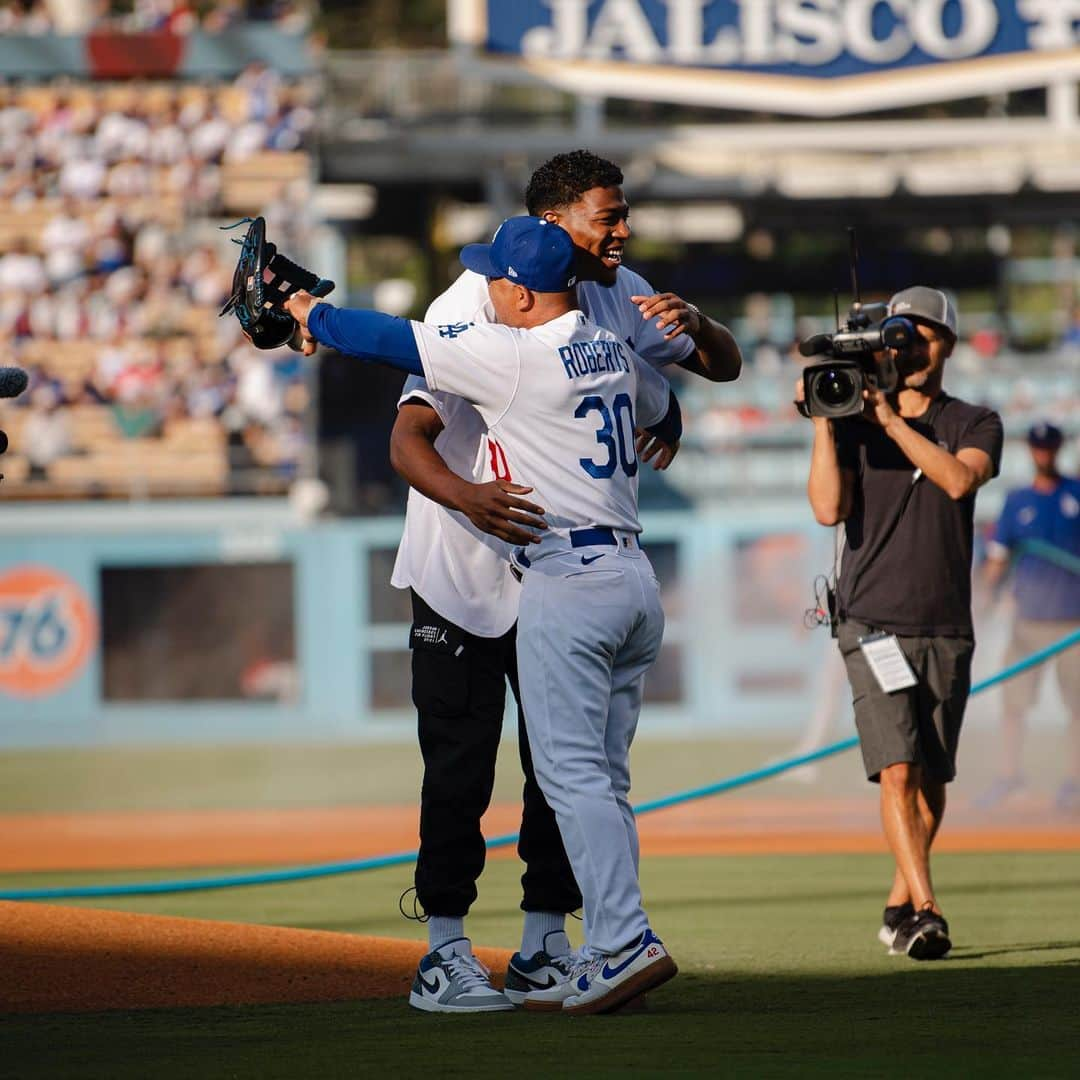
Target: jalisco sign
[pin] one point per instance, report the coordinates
(761, 44)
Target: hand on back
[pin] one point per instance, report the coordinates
(494, 508)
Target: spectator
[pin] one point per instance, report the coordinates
(46, 435)
(65, 240)
(21, 270)
(1039, 528)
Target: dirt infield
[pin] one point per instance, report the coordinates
(58, 959)
(132, 841)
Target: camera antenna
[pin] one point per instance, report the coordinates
(853, 260)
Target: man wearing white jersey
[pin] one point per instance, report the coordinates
(562, 400)
(461, 501)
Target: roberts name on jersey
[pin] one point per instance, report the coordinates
(590, 357)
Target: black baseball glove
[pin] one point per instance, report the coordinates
(262, 282)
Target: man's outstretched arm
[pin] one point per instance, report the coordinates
(367, 335)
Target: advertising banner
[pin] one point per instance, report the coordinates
(779, 48)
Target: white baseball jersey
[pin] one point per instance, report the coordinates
(460, 571)
(561, 402)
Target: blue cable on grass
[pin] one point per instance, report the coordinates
(380, 862)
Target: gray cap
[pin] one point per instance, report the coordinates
(922, 302)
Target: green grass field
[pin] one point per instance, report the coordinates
(781, 976)
(781, 973)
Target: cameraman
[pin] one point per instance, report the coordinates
(902, 478)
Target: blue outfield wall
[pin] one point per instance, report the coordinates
(736, 584)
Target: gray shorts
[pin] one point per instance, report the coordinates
(920, 725)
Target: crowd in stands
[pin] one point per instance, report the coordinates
(141, 16)
(112, 273)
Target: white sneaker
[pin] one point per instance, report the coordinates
(610, 981)
(451, 979)
(545, 978)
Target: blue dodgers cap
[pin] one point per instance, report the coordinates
(1045, 436)
(528, 251)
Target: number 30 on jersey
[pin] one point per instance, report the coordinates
(615, 435)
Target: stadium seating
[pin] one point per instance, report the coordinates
(111, 279)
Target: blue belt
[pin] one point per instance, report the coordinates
(589, 537)
(578, 538)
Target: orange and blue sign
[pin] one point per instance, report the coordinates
(48, 630)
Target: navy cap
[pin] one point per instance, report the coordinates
(1045, 436)
(528, 251)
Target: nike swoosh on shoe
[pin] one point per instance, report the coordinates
(534, 983)
(610, 972)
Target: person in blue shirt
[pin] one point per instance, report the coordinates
(1038, 533)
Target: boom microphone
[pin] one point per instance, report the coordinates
(13, 381)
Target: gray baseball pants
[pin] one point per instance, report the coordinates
(589, 627)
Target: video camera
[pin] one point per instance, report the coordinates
(857, 356)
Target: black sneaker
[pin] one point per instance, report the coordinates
(922, 936)
(891, 921)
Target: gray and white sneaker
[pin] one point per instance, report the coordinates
(541, 978)
(452, 980)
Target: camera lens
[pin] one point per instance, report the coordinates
(835, 388)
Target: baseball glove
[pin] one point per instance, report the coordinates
(262, 282)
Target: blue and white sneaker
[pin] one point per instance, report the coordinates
(542, 981)
(452, 980)
(609, 982)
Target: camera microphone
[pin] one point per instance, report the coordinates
(13, 381)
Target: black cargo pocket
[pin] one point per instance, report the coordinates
(440, 668)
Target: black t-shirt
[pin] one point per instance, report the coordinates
(906, 564)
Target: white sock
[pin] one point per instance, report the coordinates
(538, 924)
(442, 929)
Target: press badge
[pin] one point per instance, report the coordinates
(887, 661)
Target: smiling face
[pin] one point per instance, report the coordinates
(599, 225)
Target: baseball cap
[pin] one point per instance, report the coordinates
(528, 251)
(1045, 436)
(922, 302)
